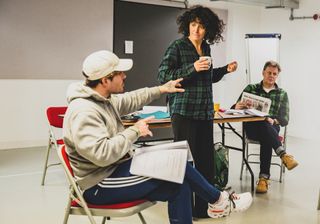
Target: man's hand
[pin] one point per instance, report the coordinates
(202, 65)
(232, 66)
(243, 105)
(143, 126)
(270, 120)
(172, 87)
(240, 106)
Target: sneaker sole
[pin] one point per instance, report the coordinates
(261, 192)
(216, 215)
(243, 209)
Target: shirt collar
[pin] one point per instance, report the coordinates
(261, 86)
(204, 45)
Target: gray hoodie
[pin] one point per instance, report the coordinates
(94, 135)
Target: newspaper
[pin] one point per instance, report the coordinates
(256, 102)
(164, 161)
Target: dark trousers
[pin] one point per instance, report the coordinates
(268, 136)
(199, 134)
(177, 195)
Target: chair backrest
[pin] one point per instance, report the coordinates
(284, 136)
(55, 116)
(66, 160)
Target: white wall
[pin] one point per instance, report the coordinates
(299, 55)
(23, 111)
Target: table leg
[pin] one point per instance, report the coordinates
(223, 134)
(242, 137)
(245, 159)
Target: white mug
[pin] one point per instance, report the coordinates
(208, 58)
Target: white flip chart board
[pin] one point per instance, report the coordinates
(260, 48)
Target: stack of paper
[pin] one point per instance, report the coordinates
(164, 161)
(251, 111)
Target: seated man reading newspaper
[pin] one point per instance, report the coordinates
(276, 104)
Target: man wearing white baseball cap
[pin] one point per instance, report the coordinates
(100, 63)
(100, 147)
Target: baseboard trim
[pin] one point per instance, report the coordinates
(22, 144)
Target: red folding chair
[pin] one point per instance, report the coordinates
(78, 206)
(55, 121)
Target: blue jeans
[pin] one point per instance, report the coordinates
(177, 195)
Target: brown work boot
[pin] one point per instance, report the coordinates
(262, 185)
(289, 161)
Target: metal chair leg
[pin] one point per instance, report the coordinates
(242, 163)
(143, 221)
(282, 169)
(241, 170)
(319, 201)
(280, 178)
(46, 163)
(67, 212)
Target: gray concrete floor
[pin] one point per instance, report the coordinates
(293, 201)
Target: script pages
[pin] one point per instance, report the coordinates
(165, 161)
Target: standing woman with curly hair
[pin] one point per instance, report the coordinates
(192, 112)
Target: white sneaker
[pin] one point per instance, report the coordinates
(229, 203)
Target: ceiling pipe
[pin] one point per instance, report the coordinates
(174, 3)
(275, 7)
(292, 17)
(185, 2)
(269, 4)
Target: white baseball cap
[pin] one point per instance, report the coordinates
(102, 63)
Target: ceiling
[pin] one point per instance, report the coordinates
(293, 4)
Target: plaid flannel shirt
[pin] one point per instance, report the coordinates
(279, 108)
(196, 102)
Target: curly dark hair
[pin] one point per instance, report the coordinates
(213, 25)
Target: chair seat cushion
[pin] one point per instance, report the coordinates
(111, 206)
(281, 139)
(60, 142)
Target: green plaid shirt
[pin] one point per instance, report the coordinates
(196, 102)
(279, 108)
